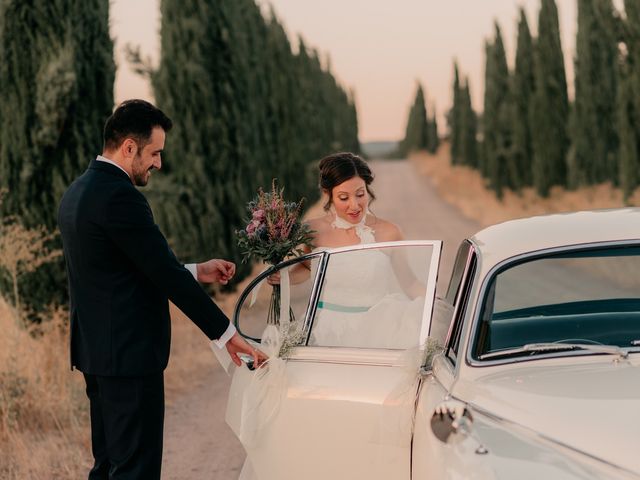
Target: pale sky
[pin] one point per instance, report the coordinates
(380, 48)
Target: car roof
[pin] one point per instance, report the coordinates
(516, 237)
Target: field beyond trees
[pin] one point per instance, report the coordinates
(466, 188)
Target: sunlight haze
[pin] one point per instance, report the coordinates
(377, 48)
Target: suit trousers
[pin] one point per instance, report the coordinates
(127, 419)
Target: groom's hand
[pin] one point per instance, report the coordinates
(237, 344)
(215, 270)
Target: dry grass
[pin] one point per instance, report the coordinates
(43, 412)
(465, 188)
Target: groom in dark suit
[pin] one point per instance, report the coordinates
(122, 275)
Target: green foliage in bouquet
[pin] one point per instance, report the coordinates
(275, 230)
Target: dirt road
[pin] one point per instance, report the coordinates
(198, 443)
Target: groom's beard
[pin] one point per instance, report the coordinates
(139, 173)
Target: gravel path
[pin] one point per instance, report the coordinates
(198, 443)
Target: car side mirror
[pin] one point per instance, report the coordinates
(451, 421)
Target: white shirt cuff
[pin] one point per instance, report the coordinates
(226, 336)
(193, 270)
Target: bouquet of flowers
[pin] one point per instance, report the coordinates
(274, 232)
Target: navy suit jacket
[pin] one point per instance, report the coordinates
(122, 274)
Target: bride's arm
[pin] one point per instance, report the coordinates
(410, 284)
(407, 279)
(298, 273)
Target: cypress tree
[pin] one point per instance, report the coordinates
(593, 132)
(468, 128)
(200, 148)
(351, 132)
(490, 111)
(523, 87)
(628, 104)
(497, 118)
(629, 141)
(56, 79)
(417, 131)
(289, 160)
(454, 119)
(433, 141)
(549, 105)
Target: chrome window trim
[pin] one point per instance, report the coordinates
(469, 268)
(265, 273)
(318, 282)
(431, 280)
(397, 243)
(517, 260)
(316, 290)
(432, 277)
(430, 294)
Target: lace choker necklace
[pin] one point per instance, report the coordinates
(363, 231)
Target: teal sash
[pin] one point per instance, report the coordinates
(342, 308)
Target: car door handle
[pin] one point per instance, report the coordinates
(247, 360)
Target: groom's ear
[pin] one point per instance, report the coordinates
(129, 148)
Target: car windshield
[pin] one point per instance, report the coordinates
(589, 297)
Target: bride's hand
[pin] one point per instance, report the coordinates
(274, 279)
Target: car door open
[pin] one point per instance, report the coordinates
(344, 398)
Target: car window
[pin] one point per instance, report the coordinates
(373, 297)
(254, 308)
(590, 296)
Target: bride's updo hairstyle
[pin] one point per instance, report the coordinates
(340, 167)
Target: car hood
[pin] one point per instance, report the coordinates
(592, 406)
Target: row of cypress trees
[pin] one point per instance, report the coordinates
(245, 108)
(532, 135)
(422, 130)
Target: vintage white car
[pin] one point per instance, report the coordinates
(526, 368)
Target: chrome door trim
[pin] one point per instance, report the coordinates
(465, 289)
(349, 356)
(430, 294)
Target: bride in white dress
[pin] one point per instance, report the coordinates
(370, 297)
(356, 308)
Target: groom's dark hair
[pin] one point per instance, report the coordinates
(133, 119)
